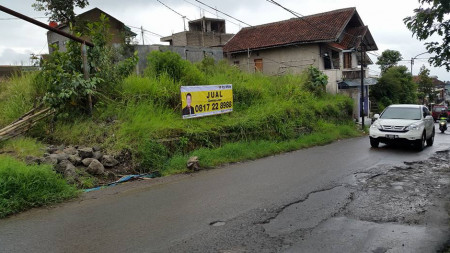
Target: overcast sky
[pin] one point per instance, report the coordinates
(384, 17)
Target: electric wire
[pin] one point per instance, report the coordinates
(198, 6)
(183, 16)
(223, 13)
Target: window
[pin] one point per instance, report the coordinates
(426, 112)
(258, 65)
(236, 63)
(347, 60)
(401, 113)
(326, 61)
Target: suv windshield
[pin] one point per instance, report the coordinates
(402, 113)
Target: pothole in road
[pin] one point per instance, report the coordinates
(217, 223)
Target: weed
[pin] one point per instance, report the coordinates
(23, 187)
(22, 147)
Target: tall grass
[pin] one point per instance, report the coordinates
(22, 147)
(23, 187)
(16, 97)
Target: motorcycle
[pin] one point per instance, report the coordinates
(443, 125)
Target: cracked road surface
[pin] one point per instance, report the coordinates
(342, 197)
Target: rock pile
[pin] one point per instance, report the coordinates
(66, 160)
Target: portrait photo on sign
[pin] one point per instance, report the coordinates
(200, 101)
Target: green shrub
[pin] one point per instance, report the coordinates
(175, 67)
(317, 81)
(23, 187)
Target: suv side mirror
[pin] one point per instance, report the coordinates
(376, 116)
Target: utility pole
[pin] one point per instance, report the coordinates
(142, 35)
(184, 22)
(362, 86)
(412, 61)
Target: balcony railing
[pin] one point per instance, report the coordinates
(352, 74)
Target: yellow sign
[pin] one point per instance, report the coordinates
(199, 101)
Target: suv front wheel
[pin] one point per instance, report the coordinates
(430, 141)
(374, 142)
(420, 144)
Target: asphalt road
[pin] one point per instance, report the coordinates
(291, 202)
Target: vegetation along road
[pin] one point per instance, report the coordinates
(342, 197)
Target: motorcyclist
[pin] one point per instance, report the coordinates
(443, 115)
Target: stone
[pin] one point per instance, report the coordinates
(97, 155)
(50, 160)
(70, 150)
(87, 161)
(51, 149)
(192, 163)
(111, 175)
(95, 168)
(96, 148)
(85, 153)
(70, 172)
(109, 161)
(60, 157)
(75, 160)
(31, 160)
(62, 166)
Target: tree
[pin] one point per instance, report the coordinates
(426, 87)
(432, 18)
(60, 10)
(395, 86)
(388, 59)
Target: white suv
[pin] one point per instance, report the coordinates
(403, 123)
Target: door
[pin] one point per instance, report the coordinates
(429, 122)
(258, 65)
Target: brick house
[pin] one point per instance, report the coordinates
(330, 41)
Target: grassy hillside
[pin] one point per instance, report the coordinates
(274, 113)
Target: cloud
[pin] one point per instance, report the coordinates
(385, 20)
(12, 57)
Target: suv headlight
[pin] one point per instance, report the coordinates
(377, 125)
(412, 127)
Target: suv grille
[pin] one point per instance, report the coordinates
(394, 129)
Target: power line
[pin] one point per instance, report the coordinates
(173, 10)
(139, 28)
(182, 16)
(223, 13)
(211, 12)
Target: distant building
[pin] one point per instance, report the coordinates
(119, 31)
(204, 32)
(439, 87)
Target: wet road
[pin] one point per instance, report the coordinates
(292, 202)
